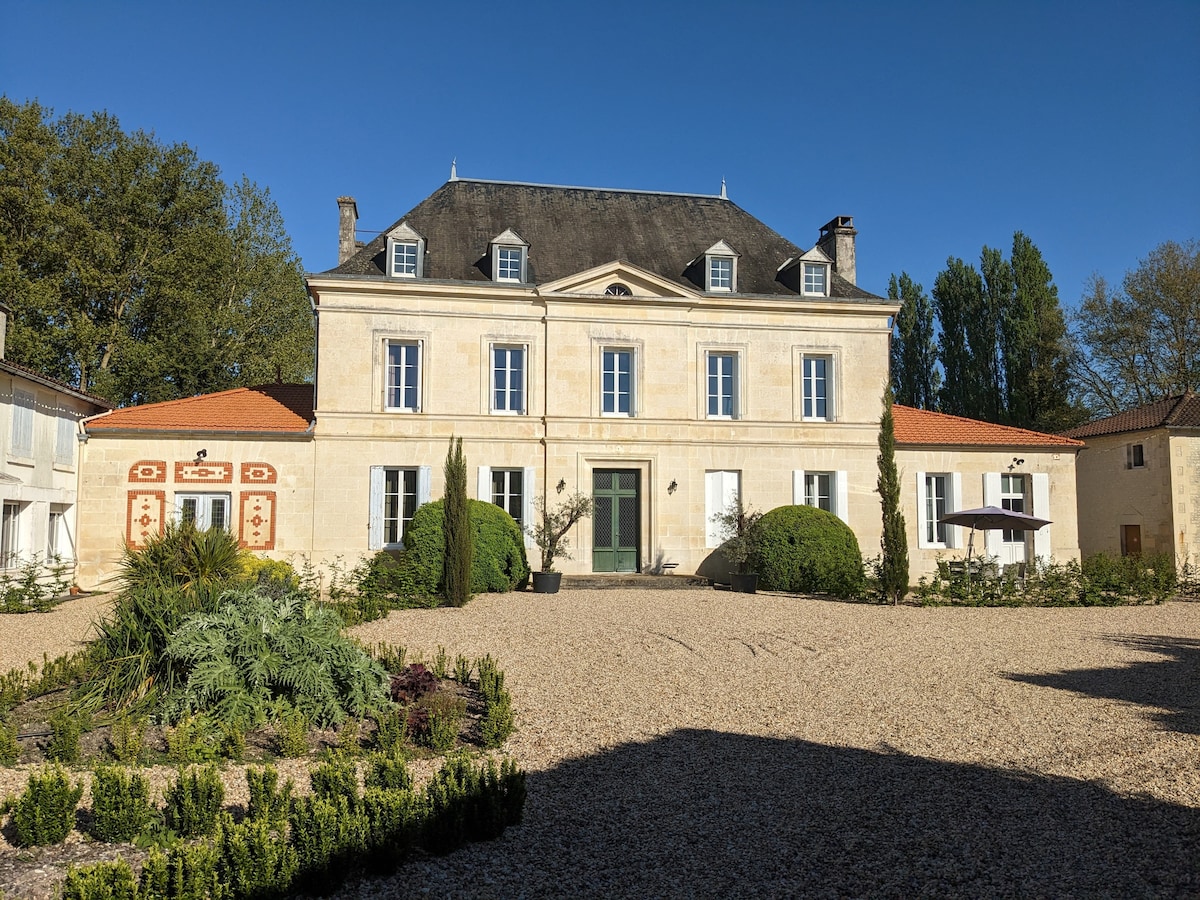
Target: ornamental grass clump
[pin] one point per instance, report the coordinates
(121, 805)
(45, 811)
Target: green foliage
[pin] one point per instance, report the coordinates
(36, 586)
(350, 737)
(441, 662)
(276, 571)
(102, 881)
(804, 549)
(737, 527)
(893, 566)
(183, 556)
(121, 805)
(444, 713)
(390, 656)
(10, 748)
(915, 376)
(394, 823)
(291, 734)
(257, 650)
(252, 861)
(459, 547)
(268, 803)
(388, 771)
(496, 724)
(462, 670)
(45, 811)
(377, 585)
(328, 835)
(133, 271)
(192, 740)
(127, 739)
(337, 776)
(65, 730)
(551, 524)
(192, 801)
(499, 563)
(468, 802)
(185, 872)
(391, 729)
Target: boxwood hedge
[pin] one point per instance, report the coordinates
(499, 563)
(804, 549)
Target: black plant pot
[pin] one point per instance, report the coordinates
(744, 584)
(546, 582)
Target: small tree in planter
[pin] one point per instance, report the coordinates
(738, 529)
(549, 532)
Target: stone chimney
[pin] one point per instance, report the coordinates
(347, 225)
(837, 242)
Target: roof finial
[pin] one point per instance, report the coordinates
(724, 196)
(454, 169)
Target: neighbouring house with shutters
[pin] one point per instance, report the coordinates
(661, 353)
(39, 425)
(1138, 479)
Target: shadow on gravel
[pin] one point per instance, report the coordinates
(1171, 684)
(702, 813)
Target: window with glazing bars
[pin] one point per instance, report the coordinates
(508, 379)
(722, 385)
(404, 376)
(616, 382)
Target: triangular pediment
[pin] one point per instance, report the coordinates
(405, 232)
(720, 248)
(605, 279)
(509, 237)
(816, 254)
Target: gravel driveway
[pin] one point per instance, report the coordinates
(703, 743)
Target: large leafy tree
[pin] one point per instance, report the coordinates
(915, 374)
(1141, 342)
(957, 298)
(133, 271)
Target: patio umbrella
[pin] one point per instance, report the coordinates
(990, 518)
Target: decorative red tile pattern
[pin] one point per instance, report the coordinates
(258, 473)
(256, 514)
(922, 427)
(144, 516)
(269, 407)
(148, 471)
(203, 473)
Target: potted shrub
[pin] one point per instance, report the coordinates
(739, 531)
(549, 532)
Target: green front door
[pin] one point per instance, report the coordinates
(616, 517)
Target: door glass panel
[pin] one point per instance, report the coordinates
(628, 522)
(602, 517)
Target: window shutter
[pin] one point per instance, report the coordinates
(484, 485)
(22, 430)
(424, 484)
(64, 447)
(991, 497)
(842, 489)
(1041, 509)
(375, 518)
(720, 492)
(797, 487)
(922, 517)
(954, 536)
(527, 511)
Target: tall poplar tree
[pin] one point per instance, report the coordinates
(957, 296)
(915, 375)
(986, 337)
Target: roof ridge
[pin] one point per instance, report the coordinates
(583, 187)
(1178, 407)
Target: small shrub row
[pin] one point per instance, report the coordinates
(37, 586)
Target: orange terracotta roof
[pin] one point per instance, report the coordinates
(1182, 410)
(268, 407)
(921, 426)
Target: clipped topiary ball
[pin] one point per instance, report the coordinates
(804, 549)
(499, 563)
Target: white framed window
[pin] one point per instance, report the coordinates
(721, 491)
(405, 252)
(1012, 497)
(937, 494)
(722, 384)
(617, 387)
(816, 378)
(64, 444)
(402, 391)
(720, 273)
(815, 280)
(829, 491)
(203, 510)
(510, 263)
(58, 536)
(512, 490)
(1135, 456)
(10, 534)
(396, 492)
(508, 379)
(404, 259)
(22, 423)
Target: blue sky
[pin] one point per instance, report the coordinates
(940, 127)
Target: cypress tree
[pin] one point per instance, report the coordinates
(459, 546)
(893, 567)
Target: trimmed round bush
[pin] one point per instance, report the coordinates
(499, 564)
(804, 549)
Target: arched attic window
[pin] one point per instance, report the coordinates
(616, 289)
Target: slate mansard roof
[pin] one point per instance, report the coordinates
(1181, 411)
(573, 229)
(269, 408)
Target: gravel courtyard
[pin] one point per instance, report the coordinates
(703, 743)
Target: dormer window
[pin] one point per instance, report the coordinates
(816, 279)
(510, 258)
(720, 268)
(405, 252)
(808, 274)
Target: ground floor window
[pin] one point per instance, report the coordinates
(936, 491)
(818, 490)
(1012, 497)
(396, 492)
(10, 524)
(203, 510)
(508, 492)
(58, 538)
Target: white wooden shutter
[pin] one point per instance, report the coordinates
(842, 491)
(527, 512)
(797, 487)
(375, 517)
(954, 533)
(720, 492)
(22, 422)
(483, 489)
(991, 497)
(1041, 509)
(424, 484)
(922, 517)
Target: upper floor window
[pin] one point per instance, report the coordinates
(22, 423)
(64, 444)
(720, 267)
(508, 379)
(616, 382)
(815, 385)
(402, 391)
(816, 279)
(510, 257)
(203, 510)
(1135, 456)
(406, 252)
(722, 385)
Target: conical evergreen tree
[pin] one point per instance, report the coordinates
(893, 567)
(459, 545)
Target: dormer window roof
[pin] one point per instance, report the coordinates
(808, 274)
(405, 252)
(720, 268)
(510, 257)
